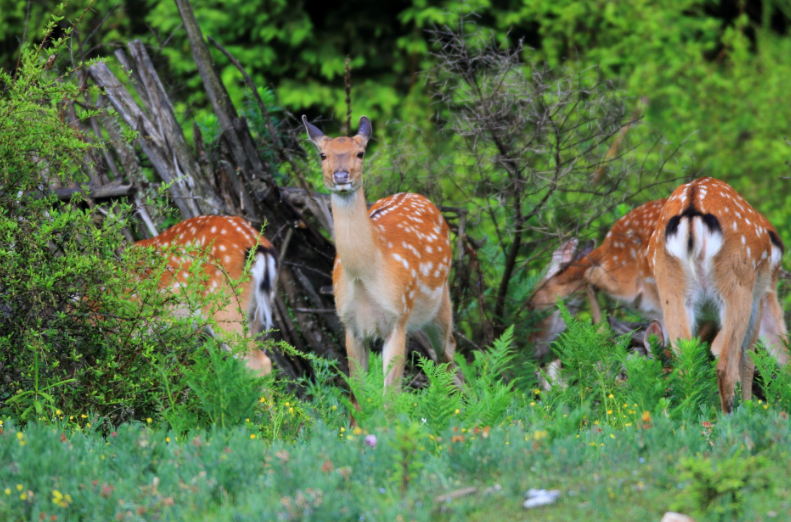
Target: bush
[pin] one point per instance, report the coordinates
(84, 326)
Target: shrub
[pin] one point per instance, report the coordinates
(84, 325)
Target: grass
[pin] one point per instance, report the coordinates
(617, 450)
(141, 472)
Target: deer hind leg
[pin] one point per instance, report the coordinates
(738, 313)
(393, 359)
(441, 334)
(747, 365)
(678, 315)
(773, 328)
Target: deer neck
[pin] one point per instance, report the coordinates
(355, 240)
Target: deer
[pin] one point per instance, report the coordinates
(390, 275)
(226, 241)
(711, 249)
(620, 269)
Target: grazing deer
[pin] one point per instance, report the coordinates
(712, 251)
(227, 242)
(619, 268)
(391, 269)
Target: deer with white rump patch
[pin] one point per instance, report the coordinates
(620, 269)
(227, 242)
(712, 250)
(391, 269)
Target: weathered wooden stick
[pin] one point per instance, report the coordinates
(113, 190)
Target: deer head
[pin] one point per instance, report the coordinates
(341, 158)
(563, 278)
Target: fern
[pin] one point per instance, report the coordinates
(487, 394)
(441, 400)
(694, 379)
(775, 381)
(591, 361)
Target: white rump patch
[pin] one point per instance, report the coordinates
(777, 255)
(676, 245)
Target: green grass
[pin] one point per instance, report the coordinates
(633, 473)
(617, 450)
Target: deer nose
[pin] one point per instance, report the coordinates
(341, 177)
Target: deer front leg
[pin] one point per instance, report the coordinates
(357, 355)
(596, 314)
(393, 356)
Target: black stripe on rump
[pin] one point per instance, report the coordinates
(775, 239)
(711, 222)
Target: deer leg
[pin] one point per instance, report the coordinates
(357, 355)
(394, 356)
(747, 365)
(677, 314)
(773, 328)
(445, 343)
(730, 341)
(596, 314)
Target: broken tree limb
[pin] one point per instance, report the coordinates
(112, 190)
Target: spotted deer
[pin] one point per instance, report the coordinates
(711, 251)
(620, 268)
(392, 264)
(227, 242)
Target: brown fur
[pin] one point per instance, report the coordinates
(619, 268)
(738, 274)
(230, 239)
(392, 265)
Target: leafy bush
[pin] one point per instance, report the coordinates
(84, 326)
(716, 490)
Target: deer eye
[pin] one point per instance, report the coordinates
(323, 156)
(360, 155)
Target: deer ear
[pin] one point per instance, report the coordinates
(315, 135)
(586, 249)
(562, 256)
(364, 130)
(653, 330)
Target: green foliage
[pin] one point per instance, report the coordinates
(83, 327)
(645, 384)
(775, 381)
(716, 489)
(407, 441)
(483, 400)
(694, 378)
(224, 387)
(487, 394)
(590, 362)
(397, 467)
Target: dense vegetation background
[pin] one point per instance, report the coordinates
(132, 415)
(714, 73)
